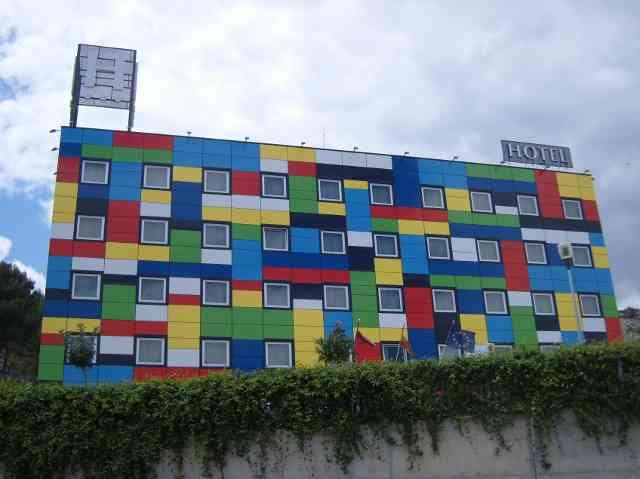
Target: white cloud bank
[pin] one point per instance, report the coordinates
(36, 276)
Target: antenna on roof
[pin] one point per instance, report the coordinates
(189, 133)
(406, 152)
(355, 148)
(302, 143)
(453, 158)
(246, 138)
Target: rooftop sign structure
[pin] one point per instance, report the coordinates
(536, 154)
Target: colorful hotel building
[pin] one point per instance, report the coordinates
(195, 255)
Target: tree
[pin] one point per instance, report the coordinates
(336, 348)
(81, 348)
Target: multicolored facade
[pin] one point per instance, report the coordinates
(195, 255)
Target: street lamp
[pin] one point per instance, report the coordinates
(566, 255)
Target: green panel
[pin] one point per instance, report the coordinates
(272, 317)
(384, 224)
(186, 238)
(248, 331)
(297, 205)
(278, 331)
(221, 330)
(215, 315)
(96, 151)
(247, 316)
(185, 254)
(302, 186)
(522, 174)
(362, 277)
(467, 282)
(50, 372)
(525, 338)
(502, 173)
(368, 319)
(245, 232)
(522, 310)
(364, 289)
(512, 221)
(247, 323)
(118, 311)
(522, 322)
(444, 281)
(460, 217)
(478, 170)
(130, 155)
(119, 293)
(493, 282)
(364, 302)
(51, 354)
(609, 307)
(157, 156)
(484, 219)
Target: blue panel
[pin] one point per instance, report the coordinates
(331, 318)
(58, 279)
(553, 257)
(586, 286)
(524, 187)
(453, 168)
(126, 174)
(84, 309)
(498, 232)
(71, 135)
(216, 161)
(414, 254)
(247, 355)
(569, 337)
(123, 193)
(584, 274)
(596, 239)
(502, 186)
(153, 268)
(246, 245)
(187, 158)
(491, 269)
(186, 189)
(305, 240)
(97, 137)
(353, 196)
(357, 209)
(185, 270)
(216, 147)
(56, 307)
(215, 271)
(431, 179)
(93, 191)
(70, 149)
(308, 260)
(460, 268)
(243, 148)
(500, 329)
(245, 163)
(603, 277)
(73, 375)
(539, 272)
(192, 145)
(115, 374)
(561, 286)
(479, 183)
(334, 261)
(247, 272)
(404, 164)
(541, 284)
(559, 273)
(358, 223)
(59, 263)
(462, 230)
(181, 211)
(470, 301)
(423, 343)
(430, 166)
(246, 257)
(456, 181)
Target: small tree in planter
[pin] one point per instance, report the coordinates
(336, 348)
(81, 348)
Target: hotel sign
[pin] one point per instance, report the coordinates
(536, 154)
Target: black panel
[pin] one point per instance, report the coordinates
(92, 206)
(52, 293)
(360, 258)
(310, 220)
(306, 291)
(571, 225)
(501, 198)
(185, 224)
(354, 173)
(119, 279)
(595, 337)
(115, 359)
(416, 280)
(547, 323)
(527, 221)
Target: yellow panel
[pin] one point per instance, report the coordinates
(389, 278)
(388, 265)
(184, 313)
(156, 196)
(73, 324)
(565, 304)
(245, 216)
(474, 322)
(567, 179)
(183, 343)
(328, 208)
(53, 325)
(247, 299)
(187, 173)
(66, 189)
(64, 204)
(63, 217)
(307, 333)
(121, 251)
(569, 191)
(587, 193)
(585, 181)
(308, 344)
(306, 358)
(410, 227)
(216, 213)
(436, 228)
(600, 256)
(273, 152)
(308, 317)
(457, 199)
(567, 323)
(372, 334)
(392, 334)
(307, 155)
(356, 184)
(275, 217)
(153, 252)
(183, 330)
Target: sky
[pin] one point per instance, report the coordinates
(437, 79)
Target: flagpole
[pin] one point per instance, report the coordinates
(355, 338)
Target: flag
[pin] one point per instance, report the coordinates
(404, 342)
(460, 339)
(362, 339)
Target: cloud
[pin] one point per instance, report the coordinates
(5, 247)
(34, 275)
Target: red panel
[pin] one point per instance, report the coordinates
(299, 168)
(512, 251)
(51, 339)
(182, 373)
(151, 328)
(113, 327)
(518, 283)
(590, 209)
(429, 214)
(60, 247)
(614, 330)
(68, 169)
(420, 320)
(89, 249)
(417, 300)
(335, 276)
(306, 275)
(245, 183)
(157, 142)
(406, 213)
(146, 373)
(123, 208)
(123, 230)
(378, 211)
(247, 285)
(545, 176)
(185, 299)
(211, 371)
(128, 139)
(276, 274)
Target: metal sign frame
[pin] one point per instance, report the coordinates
(536, 154)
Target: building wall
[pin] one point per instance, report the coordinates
(183, 319)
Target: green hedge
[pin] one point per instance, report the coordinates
(122, 431)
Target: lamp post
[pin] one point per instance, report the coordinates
(566, 254)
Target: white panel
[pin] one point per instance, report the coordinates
(458, 256)
(116, 345)
(307, 304)
(245, 201)
(353, 159)
(328, 157)
(87, 264)
(223, 201)
(379, 161)
(533, 234)
(216, 256)
(151, 312)
(161, 210)
(189, 358)
(519, 298)
(360, 238)
(392, 320)
(62, 230)
(274, 204)
(549, 337)
(463, 245)
(121, 266)
(274, 166)
(184, 286)
(506, 210)
(579, 237)
(553, 236)
(594, 325)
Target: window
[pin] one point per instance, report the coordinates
(495, 302)
(274, 186)
(85, 286)
(74, 338)
(386, 245)
(95, 172)
(216, 293)
(536, 253)
(549, 348)
(444, 301)
(330, 190)
(156, 177)
(275, 239)
(381, 194)
(572, 209)
(90, 228)
(336, 297)
(216, 235)
(276, 295)
(215, 353)
(390, 299)
(528, 205)
(155, 231)
(278, 354)
(543, 304)
(589, 305)
(393, 352)
(150, 351)
(488, 251)
(432, 197)
(448, 351)
(481, 202)
(332, 242)
(438, 247)
(216, 181)
(151, 290)
(501, 348)
(581, 256)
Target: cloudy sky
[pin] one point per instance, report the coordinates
(392, 76)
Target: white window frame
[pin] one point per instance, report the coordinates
(386, 185)
(504, 302)
(78, 237)
(320, 181)
(473, 205)
(443, 347)
(336, 286)
(322, 248)
(390, 310)
(535, 309)
(526, 252)
(433, 299)
(106, 173)
(143, 221)
(496, 244)
(88, 298)
(275, 228)
(266, 355)
(397, 346)
(564, 209)
(588, 249)
(266, 298)
(598, 314)
(226, 191)
(439, 190)
(280, 177)
(439, 238)
(152, 301)
(535, 202)
(168, 177)
(150, 363)
(227, 237)
(395, 241)
(227, 302)
(216, 365)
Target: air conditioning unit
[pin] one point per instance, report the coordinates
(565, 251)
